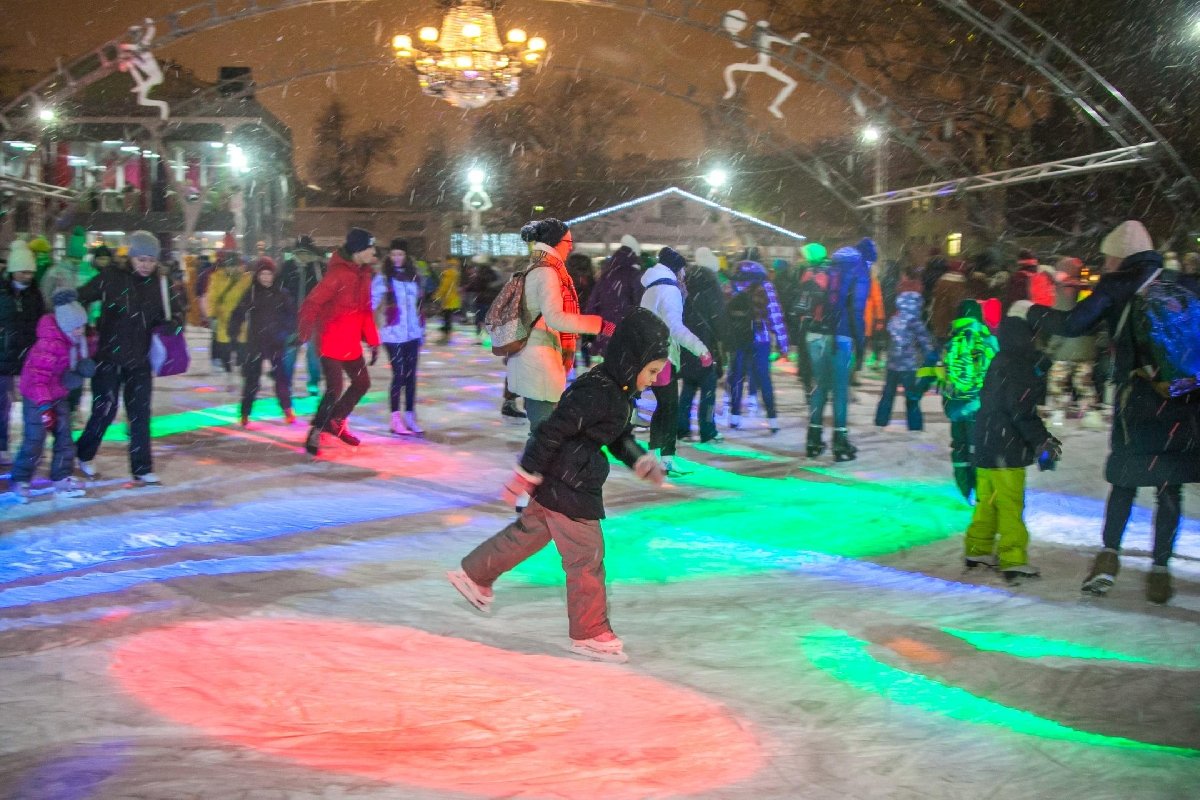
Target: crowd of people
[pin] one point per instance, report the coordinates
(1016, 351)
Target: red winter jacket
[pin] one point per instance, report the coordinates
(339, 310)
(47, 363)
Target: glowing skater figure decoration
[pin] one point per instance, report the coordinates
(761, 40)
(136, 59)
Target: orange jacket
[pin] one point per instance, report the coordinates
(875, 316)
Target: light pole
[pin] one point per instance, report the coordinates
(875, 136)
(475, 202)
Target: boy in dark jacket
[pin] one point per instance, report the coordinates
(704, 315)
(1009, 436)
(563, 471)
(270, 317)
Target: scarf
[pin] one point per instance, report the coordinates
(546, 256)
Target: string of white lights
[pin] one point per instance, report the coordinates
(673, 190)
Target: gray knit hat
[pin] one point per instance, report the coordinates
(67, 312)
(144, 243)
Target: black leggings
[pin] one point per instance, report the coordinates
(334, 404)
(404, 373)
(664, 425)
(1166, 519)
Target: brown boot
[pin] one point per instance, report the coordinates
(1103, 573)
(1158, 586)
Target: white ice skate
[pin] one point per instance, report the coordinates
(612, 650)
(479, 597)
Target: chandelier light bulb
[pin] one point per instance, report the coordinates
(402, 42)
(516, 36)
(462, 62)
(428, 34)
(537, 43)
(471, 30)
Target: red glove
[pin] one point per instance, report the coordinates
(49, 417)
(606, 329)
(706, 360)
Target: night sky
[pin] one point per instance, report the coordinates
(281, 44)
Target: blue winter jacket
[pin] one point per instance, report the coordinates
(851, 281)
(908, 338)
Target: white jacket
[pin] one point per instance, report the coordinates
(537, 372)
(666, 302)
(408, 301)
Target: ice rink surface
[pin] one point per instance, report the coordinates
(266, 626)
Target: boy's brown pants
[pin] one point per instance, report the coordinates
(580, 543)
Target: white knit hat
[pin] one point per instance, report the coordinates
(1020, 309)
(20, 257)
(1126, 239)
(632, 243)
(707, 259)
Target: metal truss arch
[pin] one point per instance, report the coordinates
(831, 179)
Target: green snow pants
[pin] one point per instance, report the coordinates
(999, 511)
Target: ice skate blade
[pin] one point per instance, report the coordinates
(607, 656)
(459, 580)
(1098, 585)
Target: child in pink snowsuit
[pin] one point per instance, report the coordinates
(563, 470)
(60, 348)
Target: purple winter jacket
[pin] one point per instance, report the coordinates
(47, 363)
(618, 290)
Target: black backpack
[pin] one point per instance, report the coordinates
(742, 314)
(812, 301)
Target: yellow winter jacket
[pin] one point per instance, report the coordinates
(447, 291)
(224, 293)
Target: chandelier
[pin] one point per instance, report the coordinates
(465, 63)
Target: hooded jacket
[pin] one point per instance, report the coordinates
(618, 290)
(949, 291)
(20, 311)
(704, 315)
(1008, 431)
(908, 338)
(47, 363)
(850, 286)
(269, 314)
(666, 301)
(1155, 441)
(766, 320)
(339, 310)
(226, 287)
(301, 274)
(594, 413)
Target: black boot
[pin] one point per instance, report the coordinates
(509, 409)
(815, 445)
(312, 442)
(842, 449)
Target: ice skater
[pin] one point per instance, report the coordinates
(761, 40)
(563, 471)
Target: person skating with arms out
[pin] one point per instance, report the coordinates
(564, 470)
(339, 311)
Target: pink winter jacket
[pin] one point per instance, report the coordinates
(47, 363)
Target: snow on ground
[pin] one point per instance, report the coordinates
(265, 626)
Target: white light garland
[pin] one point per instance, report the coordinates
(689, 196)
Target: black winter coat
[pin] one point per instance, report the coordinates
(269, 316)
(1155, 441)
(1008, 431)
(19, 315)
(300, 274)
(703, 315)
(594, 412)
(130, 308)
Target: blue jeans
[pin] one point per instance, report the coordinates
(912, 401)
(538, 412)
(754, 361)
(63, 461)
(313, 355)
(831, 358)
(403, 358)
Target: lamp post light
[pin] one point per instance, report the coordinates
(717, 179)
(475, 202)
(875, 136)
